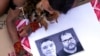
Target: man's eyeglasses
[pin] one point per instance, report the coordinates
(67, 39)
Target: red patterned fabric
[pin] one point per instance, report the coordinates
(24, 41)
(18, 47)
(34, 26)
(96, 6)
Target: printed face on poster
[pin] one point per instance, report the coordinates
(75, 34)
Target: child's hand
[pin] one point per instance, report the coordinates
(12, 54)
(13, 14)
(46, 6)
(24, 31)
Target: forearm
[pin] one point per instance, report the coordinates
(12, 30)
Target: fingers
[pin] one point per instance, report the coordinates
(16, 11)
(12, 54)
(21, 29)
(13, 14)
(23, 33)
(46, 6)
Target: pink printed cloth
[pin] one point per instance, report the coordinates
(24, 41)
(96, 6)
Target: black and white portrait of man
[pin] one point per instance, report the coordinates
(70, 43)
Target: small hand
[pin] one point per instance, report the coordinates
(12, 54)
(46, 6)
(13, 14)
(24, 31)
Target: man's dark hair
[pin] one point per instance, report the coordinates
(61, 5)
(64, 33)
(45, 40)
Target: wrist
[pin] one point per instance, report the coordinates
(10, 19)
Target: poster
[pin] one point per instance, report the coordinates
(57, 44)
(84, 23)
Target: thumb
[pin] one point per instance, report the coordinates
(21, 29)
(23, 34)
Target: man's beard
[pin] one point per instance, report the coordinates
(71, 46)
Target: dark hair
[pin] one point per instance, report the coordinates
(30, 6)
(62, 34)
(61, 5)
(44, 40)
